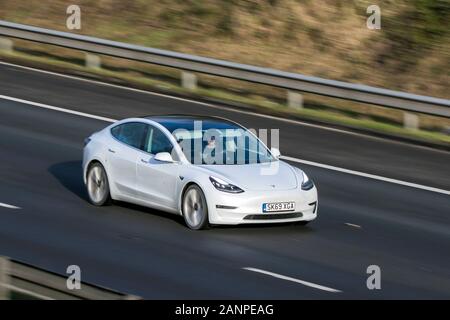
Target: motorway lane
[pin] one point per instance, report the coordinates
(141, 251)
(356, 152)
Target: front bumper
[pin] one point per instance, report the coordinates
(246, 207)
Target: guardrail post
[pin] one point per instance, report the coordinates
(410, 121)
(188, 80)
(92, 61)
(4, 278)
(6, 45)
(295, 100)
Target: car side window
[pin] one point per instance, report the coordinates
(157, 141)
(132, 134)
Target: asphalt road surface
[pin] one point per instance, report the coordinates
(362, 221)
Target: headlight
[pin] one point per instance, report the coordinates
(307, 184)
(224, 186)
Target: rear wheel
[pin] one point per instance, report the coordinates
(97, 185)
(195, 209)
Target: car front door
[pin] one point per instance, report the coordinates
(156, 180)
(125, 148)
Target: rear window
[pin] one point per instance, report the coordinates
(132, 134)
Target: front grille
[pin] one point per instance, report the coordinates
(273, 216)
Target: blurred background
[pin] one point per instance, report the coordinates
(323, 38)
(403, 229)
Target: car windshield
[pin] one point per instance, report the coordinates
(214, 142)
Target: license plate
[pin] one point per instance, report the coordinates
(278, 206)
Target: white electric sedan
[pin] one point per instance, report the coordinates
(209, 170)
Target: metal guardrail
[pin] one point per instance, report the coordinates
(28, 282)
(291, 81)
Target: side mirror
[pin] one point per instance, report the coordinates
(275, 152)
(163, 157)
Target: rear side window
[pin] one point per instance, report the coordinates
(132, 134)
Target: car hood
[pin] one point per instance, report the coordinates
(257, 176)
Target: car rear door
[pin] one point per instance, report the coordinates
(128, 139)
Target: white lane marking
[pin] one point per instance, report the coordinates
(305, 283)
(8, 206)
(311, 163)
(367, 175)
(297, 122)
(46, 106)
(353, 225)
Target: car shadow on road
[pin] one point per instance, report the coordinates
(154, 212)
(273, 227)
(70, 175)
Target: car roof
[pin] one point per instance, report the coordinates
(180, 116)
(173, 121)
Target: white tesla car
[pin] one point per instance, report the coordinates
(209, 170)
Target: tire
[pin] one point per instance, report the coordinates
(97, 185)
(195, 208)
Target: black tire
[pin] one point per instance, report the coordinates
(195, 208)
(97, 185)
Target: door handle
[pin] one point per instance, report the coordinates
(111, 150)
(144, 161)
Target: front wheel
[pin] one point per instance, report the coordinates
(97, 185)
(195, 209)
